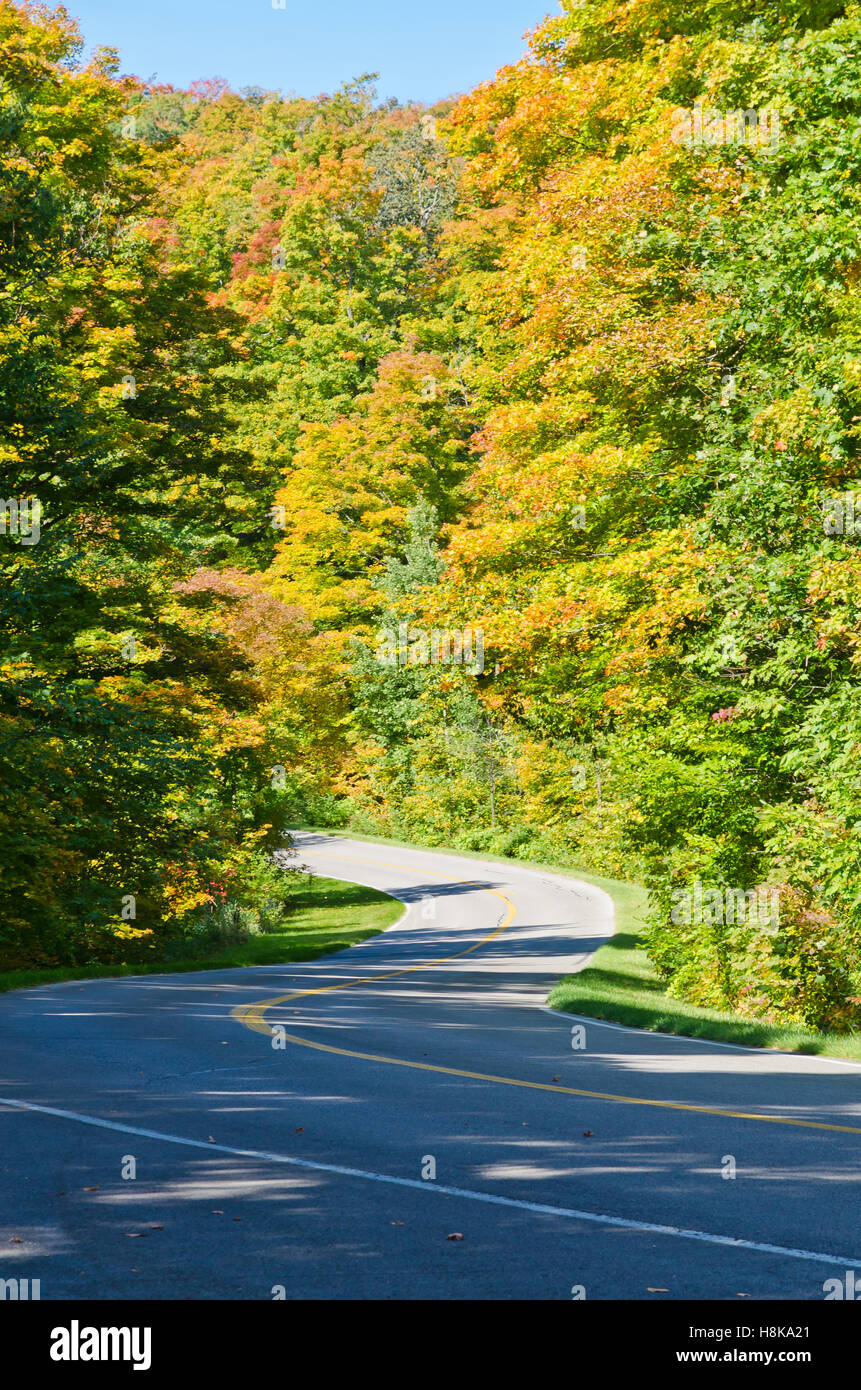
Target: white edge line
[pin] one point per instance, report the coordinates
(560, 1014)
(652, 1228)
(468, 1194)
(563, 881)
(703, 1042)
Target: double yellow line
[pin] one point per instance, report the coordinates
(252, 1016)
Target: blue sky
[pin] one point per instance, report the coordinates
(423, 49)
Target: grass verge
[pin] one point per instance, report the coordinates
(326, 915)
(620, 984)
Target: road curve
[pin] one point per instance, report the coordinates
(322, 1130)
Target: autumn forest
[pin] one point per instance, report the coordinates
(480, 475)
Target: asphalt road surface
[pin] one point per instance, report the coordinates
(322, 1130)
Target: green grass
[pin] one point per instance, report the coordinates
(621, 985)
(325, 915)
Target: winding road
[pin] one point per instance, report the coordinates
(407, 1120)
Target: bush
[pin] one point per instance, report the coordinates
(802, 969)
(226, 924)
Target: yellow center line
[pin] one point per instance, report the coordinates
(251, 1015)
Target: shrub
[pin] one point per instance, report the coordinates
(226, 924)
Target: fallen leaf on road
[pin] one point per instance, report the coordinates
(455, 1236)
(300, 1130)
(557, 1078)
